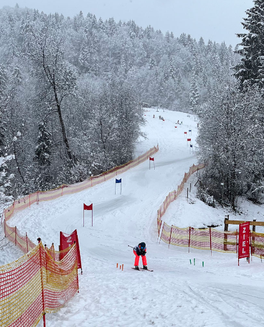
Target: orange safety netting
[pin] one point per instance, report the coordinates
(74, 188)
(203, 239)
(36, 284)
(172, 196)
(41, 281)
(257, 244)
(23, 242)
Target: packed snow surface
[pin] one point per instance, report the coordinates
(178, 293)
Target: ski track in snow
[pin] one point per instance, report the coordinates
(177, 293)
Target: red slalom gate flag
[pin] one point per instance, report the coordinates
(189, 140)
(185, 132)
(68, 240)
(151, 159)
(85, 207)
(243, 245)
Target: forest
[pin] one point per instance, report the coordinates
(72, 93)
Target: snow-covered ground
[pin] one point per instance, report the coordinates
(178, 293)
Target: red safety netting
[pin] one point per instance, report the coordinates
(172, 196)
(257, 244)
(74, 188)
(35, 284)
(40, 282)
(203, 239)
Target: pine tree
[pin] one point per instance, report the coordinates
(43, 157)
(194, 94)
(250, 69)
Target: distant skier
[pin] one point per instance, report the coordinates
(140, 250)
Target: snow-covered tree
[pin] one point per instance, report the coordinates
(43, 158)
(250, 69)
(86, 78)
(194, 94)
(230, 140)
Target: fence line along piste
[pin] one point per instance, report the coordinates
(205, 238)
(43, 280)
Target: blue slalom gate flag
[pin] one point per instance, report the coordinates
(118, 181)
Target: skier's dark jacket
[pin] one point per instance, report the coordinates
(140, 251)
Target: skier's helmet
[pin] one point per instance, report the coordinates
(142, 246)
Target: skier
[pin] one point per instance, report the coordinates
(140, 250)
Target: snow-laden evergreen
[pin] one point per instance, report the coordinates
(87, 79)
(250, 70)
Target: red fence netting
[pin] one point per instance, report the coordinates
(40, 281)
(204, 239)
(36, 284)
(26, 201)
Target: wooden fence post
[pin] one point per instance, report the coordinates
(226, 223)
(236, 241)
(189, 241)
(210, 235)
(42, 285)
(225, 241)
(252, 243)
(27, 242)
(170, 236)
(254, 226)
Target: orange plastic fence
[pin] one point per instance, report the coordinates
(41, 281)
(204, 239)
(36, 284)
(257, 244)
(74, 188)
(174, 194)
(23, 242)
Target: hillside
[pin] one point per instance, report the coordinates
(177, 293)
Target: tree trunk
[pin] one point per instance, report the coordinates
(63, 129)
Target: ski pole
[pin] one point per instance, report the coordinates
(131, 246)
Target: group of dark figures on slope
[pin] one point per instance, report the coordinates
(140, 250)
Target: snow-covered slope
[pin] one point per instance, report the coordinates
(177, 293)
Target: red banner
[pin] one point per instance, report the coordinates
(85, 207)
(243, 249)
(68, 240)
(151, 159)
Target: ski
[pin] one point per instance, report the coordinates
(141, 269)
(150, 270)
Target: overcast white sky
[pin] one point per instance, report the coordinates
(217, 20)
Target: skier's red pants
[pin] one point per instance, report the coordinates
(144, 259)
